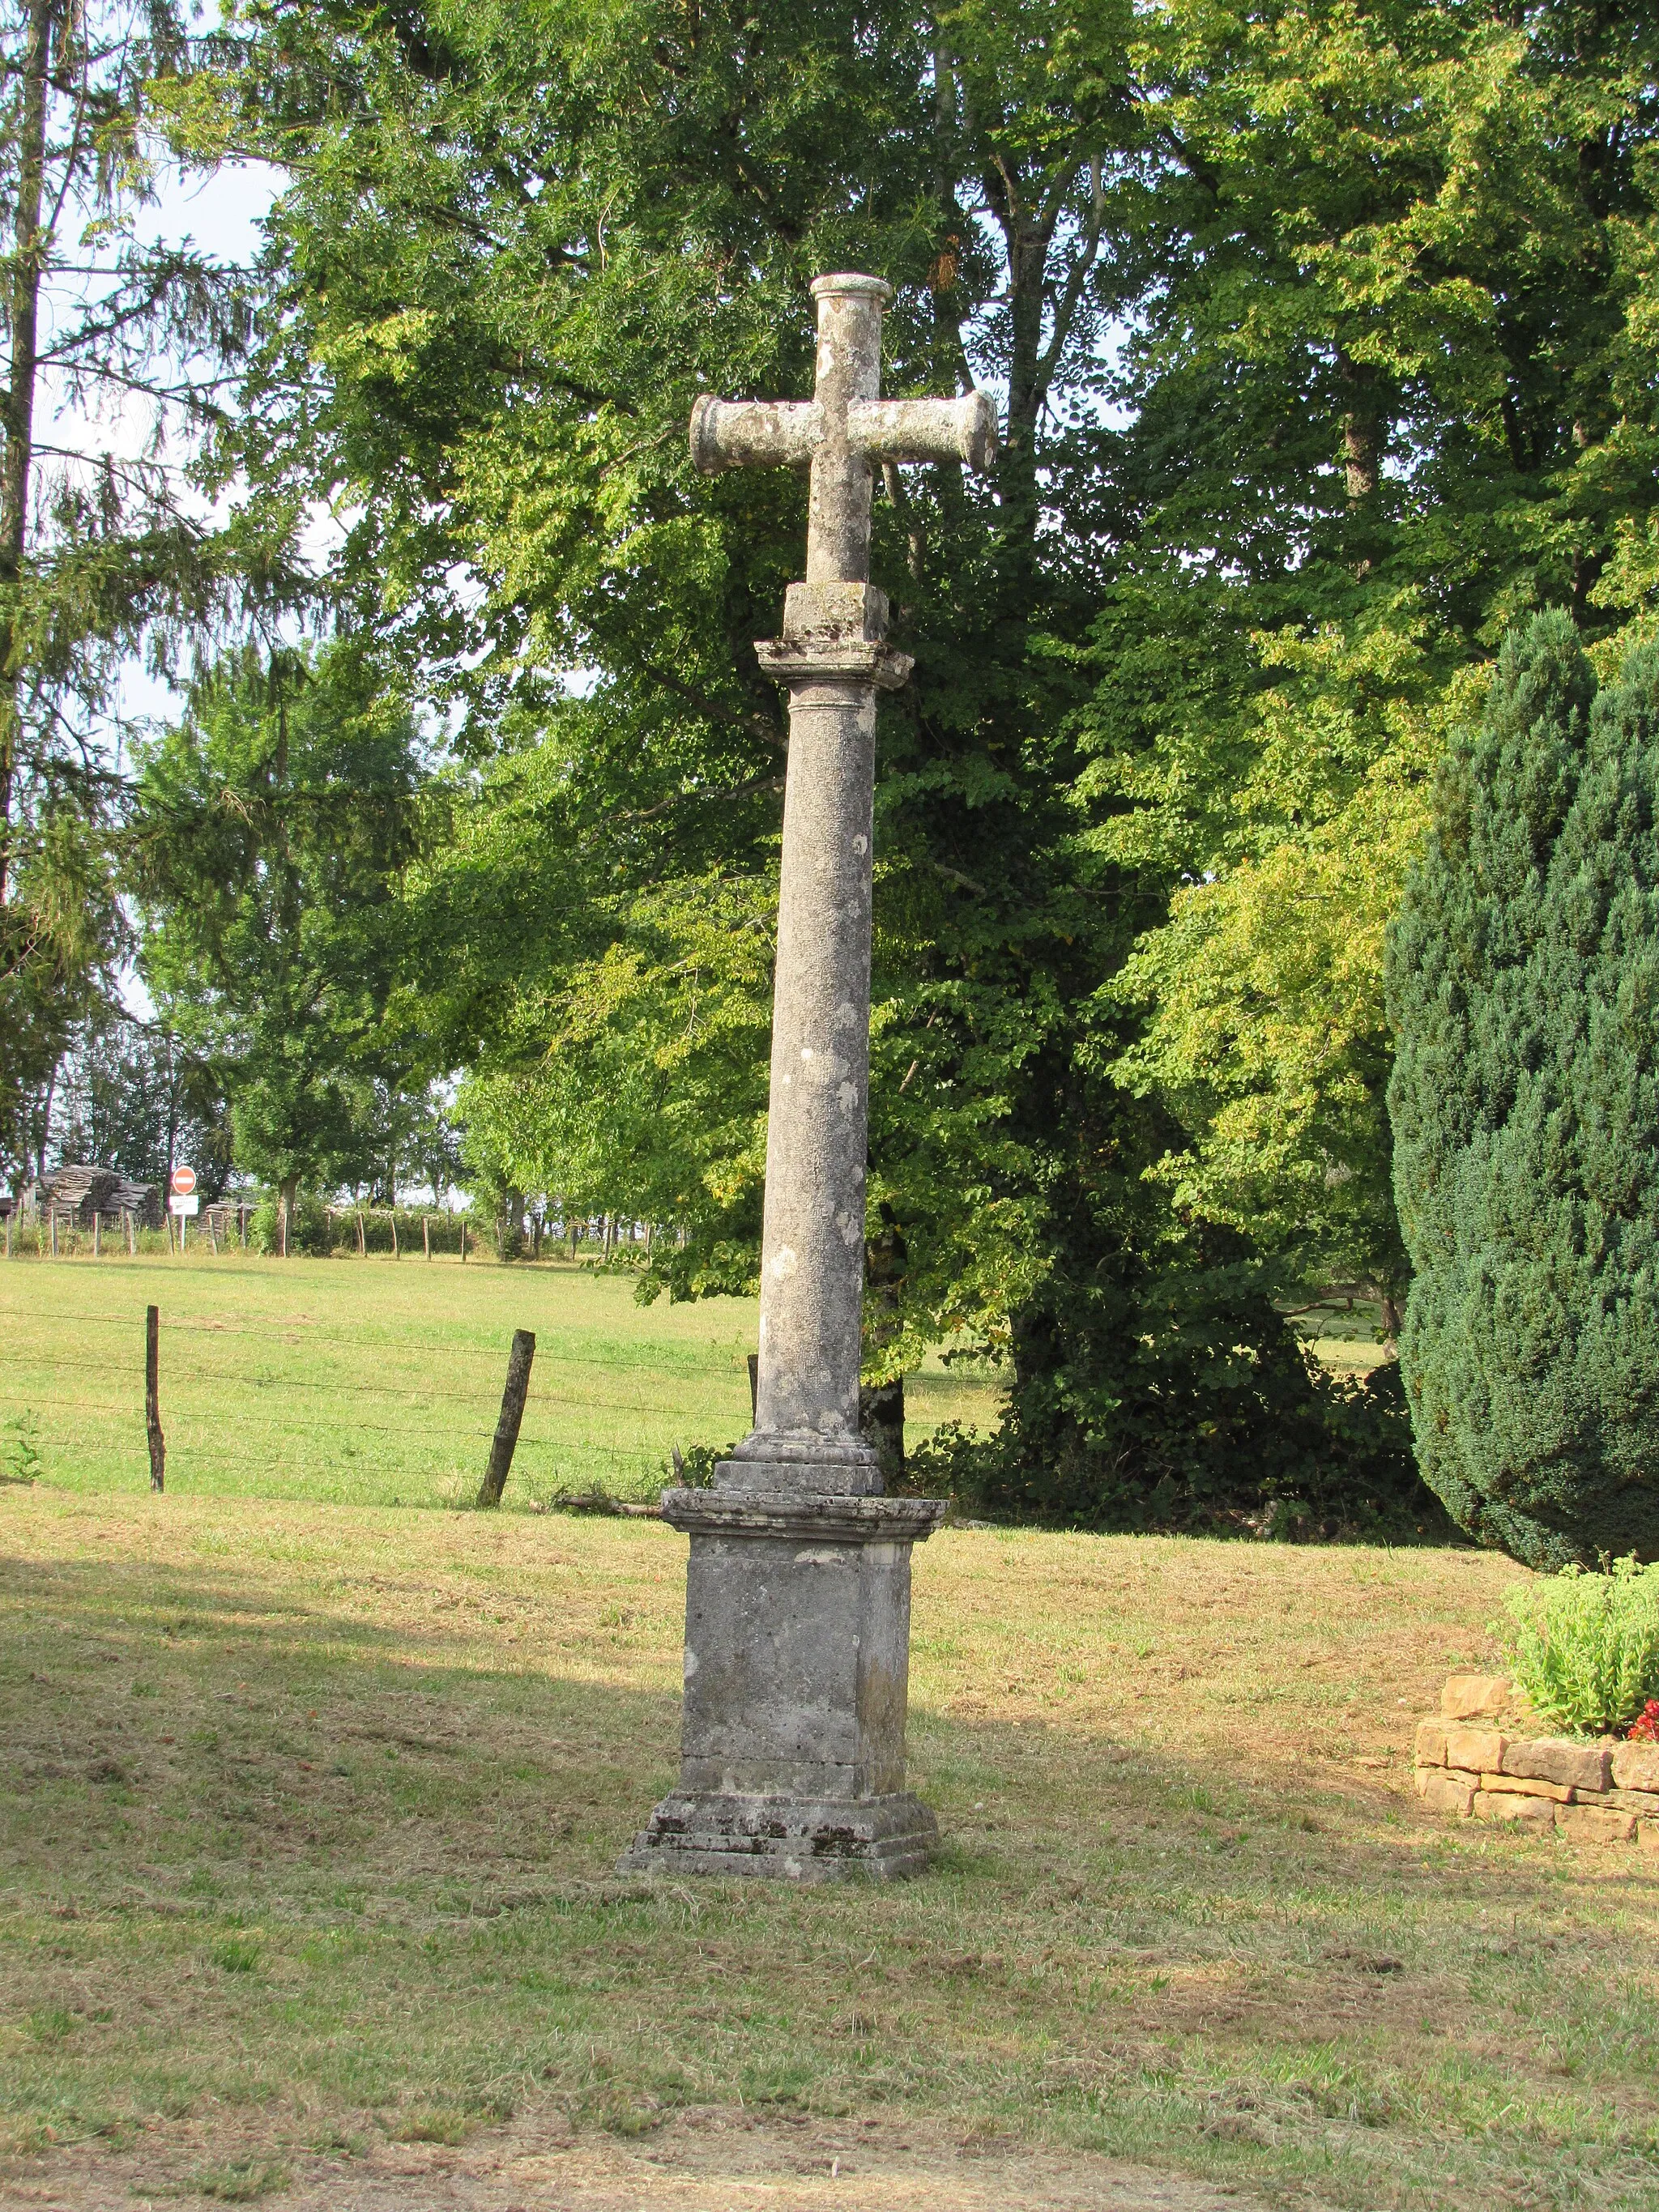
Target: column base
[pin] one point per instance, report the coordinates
(786, 1838)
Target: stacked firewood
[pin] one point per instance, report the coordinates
(76, 1192)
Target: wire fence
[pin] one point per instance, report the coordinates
(202, 1397)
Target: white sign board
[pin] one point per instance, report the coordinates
(183, 1205)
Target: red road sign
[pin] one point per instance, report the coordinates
(183, 1181)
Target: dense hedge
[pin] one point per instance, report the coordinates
(1185, 1402)
(1523, 980)
(313, 1235)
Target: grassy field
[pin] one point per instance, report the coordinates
(308, 1812)
(375, 1382)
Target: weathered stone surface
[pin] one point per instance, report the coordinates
(797, 1660)
(786, 1838)
(1595, 1824)
(1444, 1793)
(1467, 1696)
(1510, 1805)
(1431, 1743)
(1481, 1749)
(1636, 1765)
(797, 1642)
(1527, 1785)
(1647, 1834)
(834, 657)
(1634, 1800)
(1552, 1759)
(797, 1593)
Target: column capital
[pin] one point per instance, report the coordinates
(834, 659)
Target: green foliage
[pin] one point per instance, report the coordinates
(1381, 377)
(1264, 1029)
(693, 1468)
(314, 1234)
(1583, 1648)
(103, 547)
(1389, 382)
(1523, 980)
(1211, 1419)
(501, 338)
(270, 829)
(129, 1097)
(310, 1234)
(23, 1460)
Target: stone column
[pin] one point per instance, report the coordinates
(806, 1425)
(797, 1591)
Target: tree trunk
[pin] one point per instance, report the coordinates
(881, 1417)
(1362, 429)
(881, 1405)
(509, 1226)
(288, 1191)
(17, 410)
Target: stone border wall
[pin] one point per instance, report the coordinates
(1605, 1792)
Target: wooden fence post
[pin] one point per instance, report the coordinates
(132, 1233)
(9, 1236)
(506, 1429)
(462, 1240)
(158, 1443)
(97, 1234)
(51, 1208)
(362, 1242)
(213, 1234)
(425, 1237)
(393, 1218)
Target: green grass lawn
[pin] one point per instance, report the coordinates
(308, 1810)
(308, 1815)
(377, 1382)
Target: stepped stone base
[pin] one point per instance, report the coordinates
(796, 1675)
(787, 1839)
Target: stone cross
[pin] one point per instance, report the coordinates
(798, 1592)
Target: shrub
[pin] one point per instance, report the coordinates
(1583, 1648)
(1289, 1452)
(1524, 984)
(309, 1232)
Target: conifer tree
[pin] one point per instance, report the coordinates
(1523, 983)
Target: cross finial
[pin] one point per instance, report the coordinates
(841, 434)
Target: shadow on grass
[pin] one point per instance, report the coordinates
(258, 1853)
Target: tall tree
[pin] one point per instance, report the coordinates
(115, 348)
(1389, 381)
(128, 1096)
(1524, 979)
(517, 242)
(271, 828)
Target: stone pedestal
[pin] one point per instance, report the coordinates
(797, 1665)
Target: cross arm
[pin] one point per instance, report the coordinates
(736, 433)
(925, 430)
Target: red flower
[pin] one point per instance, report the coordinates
(1644, 1729)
